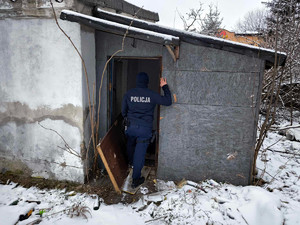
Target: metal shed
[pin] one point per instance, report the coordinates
(209, 132)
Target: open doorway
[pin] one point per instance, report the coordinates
(122, 73)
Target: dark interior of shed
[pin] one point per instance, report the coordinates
(122, 73)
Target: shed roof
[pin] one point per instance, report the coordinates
(117, 28)
(199, 39)
(140, 29)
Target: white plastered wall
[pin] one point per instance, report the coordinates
(40, 81)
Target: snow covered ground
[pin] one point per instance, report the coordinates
(209, 202)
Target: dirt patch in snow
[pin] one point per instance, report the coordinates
(101, 186)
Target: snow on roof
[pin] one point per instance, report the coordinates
(248, 33)
(233, 43)
(192, 34)
(166, 37)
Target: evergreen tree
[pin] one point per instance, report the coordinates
(212, 21)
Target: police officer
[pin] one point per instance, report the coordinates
(138, 108)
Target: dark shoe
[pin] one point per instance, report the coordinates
(137, 182)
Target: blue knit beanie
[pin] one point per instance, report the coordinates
(142, 78)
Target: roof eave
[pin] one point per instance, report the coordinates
(110, 27)
(202, 40)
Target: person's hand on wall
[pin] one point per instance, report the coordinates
(163, 81)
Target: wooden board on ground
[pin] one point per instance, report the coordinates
(127, 184)
(112, 150)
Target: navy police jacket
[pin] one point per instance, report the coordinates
(138, 103)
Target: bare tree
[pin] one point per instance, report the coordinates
(282, 34)
(288, 30)
(192, 20)
(253, 21)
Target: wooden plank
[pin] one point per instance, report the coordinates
(176, 51)
(112, 151)
(111, 176)
(171, 52)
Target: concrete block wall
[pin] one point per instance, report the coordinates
(41, 82)
(214, 117)
(32, 8)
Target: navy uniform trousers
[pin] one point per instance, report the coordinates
(138, 138)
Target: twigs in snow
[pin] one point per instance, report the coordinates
(76, 210)
(272, 144)
(282, 167)
(264, 171)
(242, 216)
(278, 172)
(283, 128)
(282, 152)
(194, 200)
(162, 217)
(265, 162)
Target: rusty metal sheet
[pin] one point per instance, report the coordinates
(112, 150)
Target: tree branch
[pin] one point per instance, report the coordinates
(69, 149)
